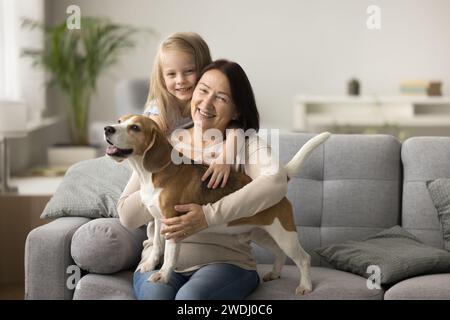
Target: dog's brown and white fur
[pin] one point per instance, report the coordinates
(164, 185)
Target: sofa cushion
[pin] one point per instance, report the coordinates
(440, 194)
(429, 287)
(327, 284)
(89, 189)
(366, 167)
(395, 251)
(105, 246)
(424, 159)
(117, 286)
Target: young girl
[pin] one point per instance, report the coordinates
(176, 70)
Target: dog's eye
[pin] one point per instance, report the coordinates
(119, 121)
(135, 128)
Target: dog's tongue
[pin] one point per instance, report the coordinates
(110, 150)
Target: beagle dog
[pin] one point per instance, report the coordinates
(165, 184)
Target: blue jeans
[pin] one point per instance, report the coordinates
(219, 281)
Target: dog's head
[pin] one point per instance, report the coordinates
(137, 135)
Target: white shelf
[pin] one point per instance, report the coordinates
(31, 126)
(36, 186)
(370, 111)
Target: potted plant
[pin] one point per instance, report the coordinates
(75, 58)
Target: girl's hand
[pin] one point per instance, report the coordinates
(179, 228)
(220, 172)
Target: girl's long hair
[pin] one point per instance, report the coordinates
(168, 106)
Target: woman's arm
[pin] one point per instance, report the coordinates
(268, 187)
(131, 210)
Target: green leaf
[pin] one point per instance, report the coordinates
(76, 59)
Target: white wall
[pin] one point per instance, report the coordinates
(32, 79)
(31, 86)
(288, 46)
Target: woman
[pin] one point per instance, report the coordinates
(212, 266)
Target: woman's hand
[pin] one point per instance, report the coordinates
(220, 172)
(179, 228)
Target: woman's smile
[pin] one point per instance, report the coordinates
(205, 114)
(211, 103)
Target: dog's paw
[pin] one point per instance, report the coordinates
(155, 277)
(270, 276)
(164, 276)
(302, 290)
(159, 276)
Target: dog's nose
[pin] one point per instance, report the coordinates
(109, 130)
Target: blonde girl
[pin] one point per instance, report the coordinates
(176, 69)
(177, 66)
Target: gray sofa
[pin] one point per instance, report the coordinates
(351, 187)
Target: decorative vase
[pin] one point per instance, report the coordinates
(353, 87)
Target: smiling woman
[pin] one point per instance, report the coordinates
(233, 89)
(210, 265)
(212, 106)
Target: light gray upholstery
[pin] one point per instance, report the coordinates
(99, 182)
(433, 286)
(47, 257)
(105, 246)
(424, 159)
(440, 194)
(348, 189)
(105, 287)
(327, 283)
(398, 254)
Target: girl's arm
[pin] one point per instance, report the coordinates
(220, 168)
(132, 212)
(153, 113)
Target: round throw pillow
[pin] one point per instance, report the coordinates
(105, 246)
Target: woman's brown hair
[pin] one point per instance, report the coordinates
(241, 93)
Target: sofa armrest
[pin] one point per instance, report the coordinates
(47, 256)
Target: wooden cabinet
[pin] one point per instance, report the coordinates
(18, 216)
(316, 113)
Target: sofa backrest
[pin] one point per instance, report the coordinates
(424, 159)
(348, 189)
(131, 95)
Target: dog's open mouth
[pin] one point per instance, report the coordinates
(113, 151)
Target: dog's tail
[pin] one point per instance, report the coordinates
(293, 166)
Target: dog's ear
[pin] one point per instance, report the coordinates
(158, 152)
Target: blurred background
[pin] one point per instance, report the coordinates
(350, 66)
(294, 52)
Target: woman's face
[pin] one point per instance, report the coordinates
(211, 104)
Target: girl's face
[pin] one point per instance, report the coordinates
(211, 104)
(179, 74)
